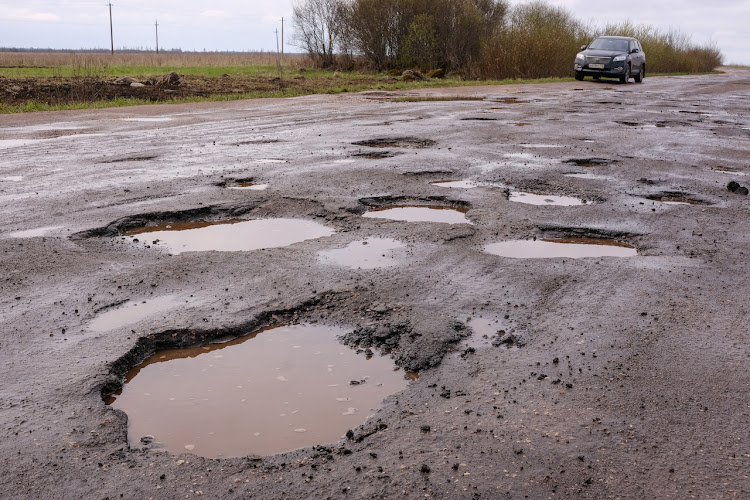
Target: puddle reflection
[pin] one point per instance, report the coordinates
(543, 199)
(573, 248)
(456, 184)
(371, 253)
(272, 391)
(229, 236)
(419, 214)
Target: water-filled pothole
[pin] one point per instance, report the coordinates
(574, 248)
(543, 199)
(371, 253)
(275, 390)
(229, 236)
(250, 186)
(407, 213)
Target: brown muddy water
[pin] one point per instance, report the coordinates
(275, 390)
(229, 236)
(445, 215)
(573, 248)
(371, 253)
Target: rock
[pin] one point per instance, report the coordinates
(425, 469)
(125, 81)
(170, 80)
(137, 84)
(735, 187)
(425, 428)
(412, 75)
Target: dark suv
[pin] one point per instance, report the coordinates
(612, 57)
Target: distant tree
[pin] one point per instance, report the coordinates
(421, 46)
(319, 25)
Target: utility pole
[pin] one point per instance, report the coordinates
(111, 33)
(157, 37)
(282, 37)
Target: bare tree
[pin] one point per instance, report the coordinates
(318, 27)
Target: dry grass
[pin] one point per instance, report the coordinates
(96, 63)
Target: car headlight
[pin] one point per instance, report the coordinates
(580, 57)
(619, 58)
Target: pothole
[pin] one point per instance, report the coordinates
(229, 235)
(272, 391)
(397, 142)
(250, 186)
(132, 312)
(590, 162)
(676, 198)
(456, 184)
(12, 178)
(243, 184)
(510, 100)
(154, 119)
(437, 98)
(374, 155)
(544, 199)
(479, 119)
(521, 124)
(573, 248)
(419, 213)
(372, 253)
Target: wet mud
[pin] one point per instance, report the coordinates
(593, 377)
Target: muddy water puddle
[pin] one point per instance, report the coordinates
(573, 248)
(484, 331)
(12, 178)
(543, 199)
(132, 312)
(372, 253)
(272, 391)
(228, 236)
(440, 214)
(588, 176)
(249, 186)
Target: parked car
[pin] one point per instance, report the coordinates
(612, 57)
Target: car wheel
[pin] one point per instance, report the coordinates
(640, 76)
(579, 76)
(626, 77)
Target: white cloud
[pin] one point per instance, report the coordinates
(27, 15)
(213, 13)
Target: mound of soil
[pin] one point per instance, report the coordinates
(72, 90)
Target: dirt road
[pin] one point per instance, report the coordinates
(599, 377)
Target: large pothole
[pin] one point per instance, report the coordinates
(274, 390)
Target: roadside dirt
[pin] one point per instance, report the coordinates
(598, 377)
(71, 90)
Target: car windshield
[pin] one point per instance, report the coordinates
(614, 44)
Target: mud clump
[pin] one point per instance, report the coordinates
(734, 187)
(397, 142)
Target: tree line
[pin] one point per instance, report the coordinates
(485, 39)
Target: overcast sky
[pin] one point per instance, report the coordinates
(250, 24)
